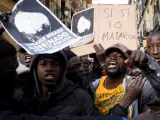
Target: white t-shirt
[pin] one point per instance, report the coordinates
(21, 68)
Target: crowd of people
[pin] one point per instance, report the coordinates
(118, 84)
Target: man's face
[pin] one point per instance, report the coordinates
(85, 65)
(48, 72)
(96, 64)
(25, 59)
(74, 66)
(153, 47)
(115, 63)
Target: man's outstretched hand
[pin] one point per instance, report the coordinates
(136, 58)
(100, 53)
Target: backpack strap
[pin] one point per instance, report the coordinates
(93, 85)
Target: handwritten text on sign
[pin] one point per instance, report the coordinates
(116, 23)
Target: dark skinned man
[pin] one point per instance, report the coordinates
(153, 46)
(118, 59)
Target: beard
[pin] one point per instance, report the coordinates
(116, 73)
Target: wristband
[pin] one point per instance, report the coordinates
(123, 118)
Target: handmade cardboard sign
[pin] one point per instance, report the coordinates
(113, 24)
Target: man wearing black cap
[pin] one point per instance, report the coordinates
(120, 90)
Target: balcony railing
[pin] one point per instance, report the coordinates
(156, 20)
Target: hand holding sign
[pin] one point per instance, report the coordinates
(100, 53)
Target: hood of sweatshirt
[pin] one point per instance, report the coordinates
(64, 87)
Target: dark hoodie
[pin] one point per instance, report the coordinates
(66, 99)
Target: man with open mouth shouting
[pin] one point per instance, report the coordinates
(52, 93)
(123, 93)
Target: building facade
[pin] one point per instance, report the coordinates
(6, 5)
(148, 18)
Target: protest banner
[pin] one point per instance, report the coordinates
(82, 25)
(34, 27)
(113, 24)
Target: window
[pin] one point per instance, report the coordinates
(53, 6)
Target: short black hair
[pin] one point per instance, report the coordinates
(92, 55)
(6, 48)
(154, 34)
(21, 50)
(69, 54)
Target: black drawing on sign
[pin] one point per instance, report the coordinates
(83, 22)
(33, 29)
(83, 25)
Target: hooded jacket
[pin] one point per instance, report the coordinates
(66, 98)
(9, 115)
